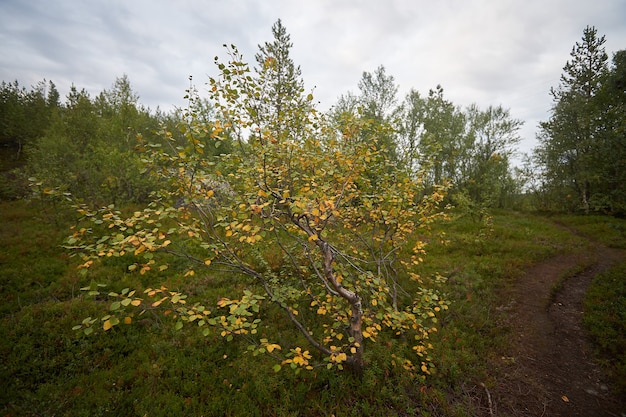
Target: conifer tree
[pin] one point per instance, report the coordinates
(569, 140)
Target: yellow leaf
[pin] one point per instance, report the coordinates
(136, 302)
(564, 398)
(167, 242)
(107, 325)
(341, 357)
(128, 320)
(207, 262)
(158, 303)
(271, 347)
(210, 193)
(313, 238)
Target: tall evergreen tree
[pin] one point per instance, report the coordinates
(281, 86)
(570, 139)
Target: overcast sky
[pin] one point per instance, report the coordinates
(489, 52)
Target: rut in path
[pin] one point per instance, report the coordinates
(549, 370)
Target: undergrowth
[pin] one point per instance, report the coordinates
(153, 370)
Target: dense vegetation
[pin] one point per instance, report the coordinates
(241, 255)
(582, 148)
(152, 369)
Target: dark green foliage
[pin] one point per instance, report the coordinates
(582, 146)
(24, 117)
(24, 114)
(89, 149)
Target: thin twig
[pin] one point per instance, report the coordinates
(488, 399)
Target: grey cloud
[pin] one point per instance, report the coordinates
(506, 52)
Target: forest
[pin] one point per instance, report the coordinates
(251, 255)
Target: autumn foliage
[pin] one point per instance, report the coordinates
(308, 217)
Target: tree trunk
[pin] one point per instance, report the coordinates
(356, 308)
(585, 197)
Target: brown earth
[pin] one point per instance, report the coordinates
(549, 368)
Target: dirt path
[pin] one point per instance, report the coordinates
(549, 370)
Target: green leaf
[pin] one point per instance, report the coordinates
(179, 325)
(277, 368)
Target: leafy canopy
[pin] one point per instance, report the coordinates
(316, 229)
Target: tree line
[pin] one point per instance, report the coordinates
(88, 146)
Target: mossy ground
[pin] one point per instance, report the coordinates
(151, 369)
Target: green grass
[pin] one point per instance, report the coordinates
(150, 369)
(481, 264)
(608, 230)
(605, 319)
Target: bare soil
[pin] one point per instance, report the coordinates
(549, 369)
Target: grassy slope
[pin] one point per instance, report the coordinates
(151, 370)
